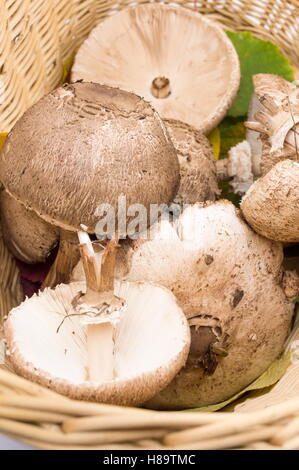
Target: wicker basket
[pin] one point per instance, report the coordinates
(37, 39)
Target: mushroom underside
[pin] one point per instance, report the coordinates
(228, 279)
(196, 88)
(49, 347)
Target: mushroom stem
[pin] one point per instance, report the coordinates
(67, 257)
(101, 307)
(100, 347)
(160, 87)
(92, 267)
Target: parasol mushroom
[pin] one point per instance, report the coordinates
(230, 283)
(117, 343)
(181, 62)
(81, 146)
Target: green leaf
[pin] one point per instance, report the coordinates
(256, 56)
(228, 193)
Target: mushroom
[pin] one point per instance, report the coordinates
(272, 130)
(117, 343)
(277, 120)
(197, 164)
(101, 308)
(231, 285)
(143, 49)
(81, 146)
(271, 206)
(28, 237)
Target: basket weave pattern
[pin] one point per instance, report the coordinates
(37, 39)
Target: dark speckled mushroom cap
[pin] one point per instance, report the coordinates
(86, 144)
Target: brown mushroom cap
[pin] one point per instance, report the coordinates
(181, 62)
(86, 144)
(271, 206)
(197, 164)
(151, 343)
(228, 281)
(28, 237)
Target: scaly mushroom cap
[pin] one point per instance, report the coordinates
(197, 164)
(86, 144)
(28, 237)
(181, 62)
(151, 343)
(277, 120)
(271, 206)
(228, 281)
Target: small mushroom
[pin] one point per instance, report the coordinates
(271, 206)
(272, 131)
(81, 146)
(197, 164)
(277, 120)
(117, 343)
(181, 62)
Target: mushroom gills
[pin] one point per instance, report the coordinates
(197, 88)
(48, 344)
(276, 121)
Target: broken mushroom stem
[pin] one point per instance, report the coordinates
(101, 310)
(67, 257)
(160, 87)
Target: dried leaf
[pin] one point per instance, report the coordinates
(67, 65)
(215, 141)
(3, 136)
(272, 375)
